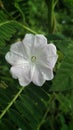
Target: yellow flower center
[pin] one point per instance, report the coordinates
(33, 58)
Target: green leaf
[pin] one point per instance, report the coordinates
(9, 28)
(29, 105)
(64, 76)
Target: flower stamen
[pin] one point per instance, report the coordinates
(33, 58)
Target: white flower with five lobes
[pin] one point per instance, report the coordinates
(32, 60)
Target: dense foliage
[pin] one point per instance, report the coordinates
(33, 107)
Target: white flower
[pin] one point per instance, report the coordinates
(32, 60)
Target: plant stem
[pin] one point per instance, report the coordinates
(27, 28)
(11, 103)
(21, 25)
(51, 15)
(43, 119)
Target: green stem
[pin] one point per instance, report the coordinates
(60, 101)
(20, 10)
(51, 15)
(21, 25)
(27, 28)
(43, 119)
(11, 103)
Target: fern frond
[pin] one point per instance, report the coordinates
(64, 77)
(26, 110)
(3, 16)
(9, 28)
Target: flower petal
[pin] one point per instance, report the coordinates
(52, 49)
(14, 59)
(52, 54)
(18, 49)
(46, 71)
(22, 73)
(37, 76)
(34, 40)
(33, 43)
(28, 42)
(48, 56)
(16, 53)
(40, 40)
